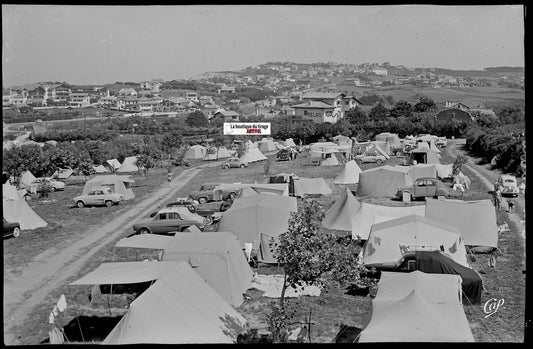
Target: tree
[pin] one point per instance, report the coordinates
(425, 104)
(401, 108)
(147, 157)
(378, 112)
(460, 160)
(84, 164)
(197, 119)
(355, 115)
(172, 140)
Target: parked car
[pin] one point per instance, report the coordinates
(377, 158)
(11, 229)
(206, 193)
(98, 196)
(509, 184)
(207, 210)
(39, 183)
(234, 163)
(170, 219)
(424, 187)
(181, 162)
(441, 142)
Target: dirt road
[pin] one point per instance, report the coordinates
(52, 268)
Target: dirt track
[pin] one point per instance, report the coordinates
(51, 269)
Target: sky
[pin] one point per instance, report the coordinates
(104, 44)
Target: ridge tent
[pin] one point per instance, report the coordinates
(391, 138)
(333, 159)
(367, 214)
(349, 174)
(63, 173)
(100, 169)
(311, 186)
(195, 152)
(424, 156)
(340, 215)
(112, 165)
(27, 178)
(249, 216)
(383, 248)
(129, 165)
(178, 308)
(252, 154)
(267, 145)
(476, 221)
(9, 192)
(117, 184)
(18, 211)
(383, 181)
(434, 262)
(218, 258)
(215, 153)
(414, 319)
(290, 143)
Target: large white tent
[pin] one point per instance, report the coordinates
(349, 174)
(369, 214)
(215, 153)
(267, 145)
(311, 186)
(383, 247)
(117, 184)
(17, 210)
(195, 152)
(383, 181)
(179, 308)
(129, 165)
(27, 178)
(340, 215)
(252, 154)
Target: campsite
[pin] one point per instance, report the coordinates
(331, 309)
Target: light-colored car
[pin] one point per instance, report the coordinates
(234, 163)
(509, 184)
(424, 187)
(98, 196)
(170, 219)
(38, 184)
(377, 158)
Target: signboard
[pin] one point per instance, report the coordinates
(246, 128)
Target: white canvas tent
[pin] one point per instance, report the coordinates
(100, 169)
(9, 192)
(179, 308)
(290, 143)
(117, 184)
(332, 159)
(215, 153)
(476, 220)
(383, 181)
(267, 145)
(340, 215)
(129, 165)
(366, 216)
(383, 248)
(421, 170)
(349, 174)
(112, 165)
(63, 173)
(444, 171)
(27, 178)
(195, 152)
(311, 186)
(252, 154)
(391, 138)
(18, 211)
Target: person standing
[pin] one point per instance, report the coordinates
(498, 198)
(169, 178)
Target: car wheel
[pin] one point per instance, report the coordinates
(52, 189)
(398, 153)
(225, 167)
(16, 232)
(373, 290)
(379, 161)
(232, 196)
(242, 166)
(202, 200)
(80, 204)
(144, 231)
(208, 220)
(109, 203)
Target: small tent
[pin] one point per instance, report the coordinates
(117, 184)
(340, 215)
(215, 153)
(424, 156)
(290, 143)
(195, 152)
(311, 186)
(383, 181)
(179, 308)
(100, 169)
(391, 138)
(349, 174)
(129, 165)
(112, 165)
(27, 178)
(265, 213)
(218, 258)
(476, 220)
(333, 159)
(18, 211)
(369, 214)
(252, 154)
(267, 145)
(63, 173)
(388, 241)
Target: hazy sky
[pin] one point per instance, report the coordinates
(104, 44)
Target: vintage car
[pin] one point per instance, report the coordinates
(377, 158)
(424, 187)
(39, 183)
(11, 229)
(207, 191)
(509, 184)
(234, 163)
(169, 220)
(98, 196)
(208, 210)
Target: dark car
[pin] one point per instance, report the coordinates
(11, 229)
(424, 187)
(207, 191)
(181, 162)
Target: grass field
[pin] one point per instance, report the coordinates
(329, 310)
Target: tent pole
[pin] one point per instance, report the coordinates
(75, 313)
